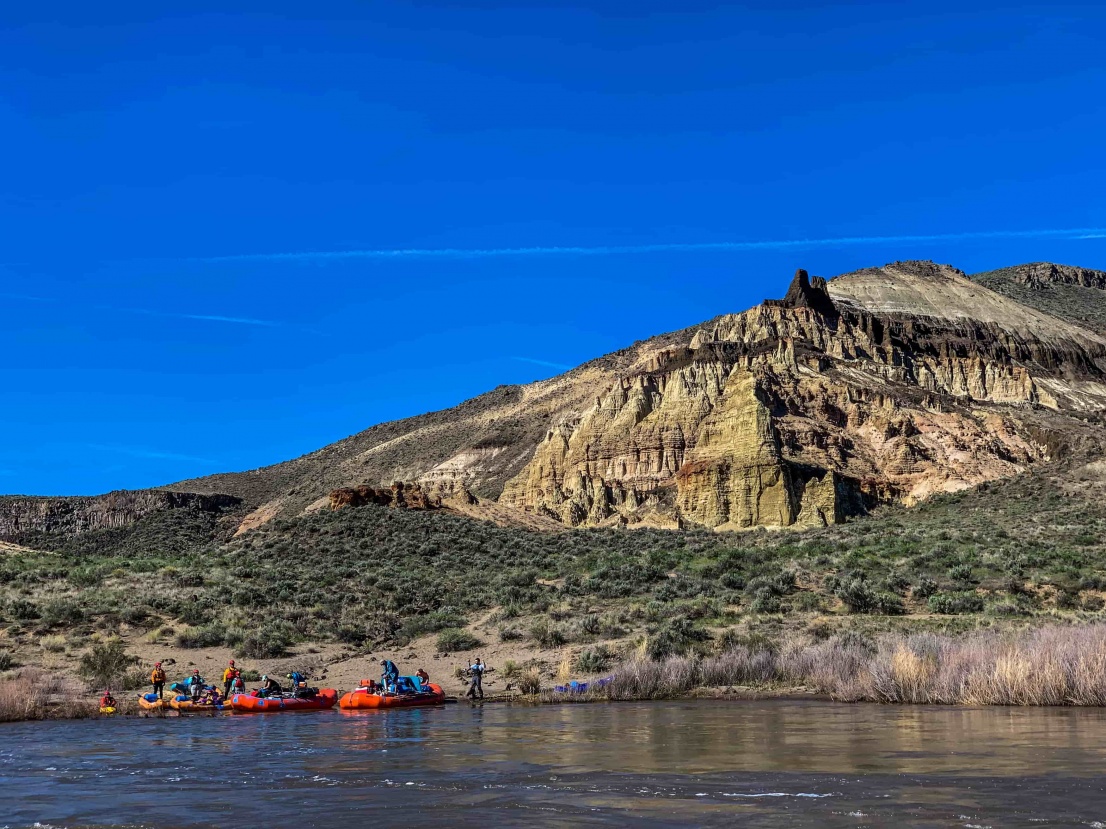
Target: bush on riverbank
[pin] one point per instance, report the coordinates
(34, 694)
(1047, 666)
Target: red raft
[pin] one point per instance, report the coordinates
(324, 699)
(364, 699)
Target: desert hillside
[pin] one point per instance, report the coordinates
(885, 385)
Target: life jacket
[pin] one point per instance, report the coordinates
(157, 675)
(228, 675)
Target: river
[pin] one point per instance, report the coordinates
(749, 764)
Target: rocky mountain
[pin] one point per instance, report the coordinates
(1074, 294)
(884, 385)
(21, 516)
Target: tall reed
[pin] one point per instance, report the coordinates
(35, 694)
(1047, 666)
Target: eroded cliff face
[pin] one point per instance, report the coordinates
(887, 384)
(20, 516)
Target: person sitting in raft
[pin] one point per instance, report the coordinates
(195, 685)
(107, 700)
(157, 679)
(269, 687)
(390, 674)
(423, 677)
(211, 696)
(228, 678)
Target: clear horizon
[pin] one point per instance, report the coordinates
(233, 238)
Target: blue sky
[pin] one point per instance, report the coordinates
(195, 198)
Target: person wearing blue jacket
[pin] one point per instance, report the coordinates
(389, 675)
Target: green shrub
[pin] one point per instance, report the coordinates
(961, 572)
(268, 642)
(424, 623)
(23, 610)
(209, 636)
(509, 634)
(455, 640)
(547, 635)
(62, 612)
(675, 637)
(106, 663)
(593, 661)
(7, 661)
(925, 588)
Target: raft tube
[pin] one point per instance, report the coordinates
(360, 699)
(324, 699)
(155, 704)
(185, 705)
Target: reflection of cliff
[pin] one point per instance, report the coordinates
(70, 516)
(891, 383)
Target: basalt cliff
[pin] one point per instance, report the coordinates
(885, 385)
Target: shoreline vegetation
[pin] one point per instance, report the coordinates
(1047, 666)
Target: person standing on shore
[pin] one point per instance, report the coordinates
(477, 671)
(228, 679)
(157, 679)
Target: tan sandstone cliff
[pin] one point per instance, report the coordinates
(887, 384)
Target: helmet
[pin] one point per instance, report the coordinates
(157, 664)
(196, 672)
(383, 661)
(232, 662)
(264, 677)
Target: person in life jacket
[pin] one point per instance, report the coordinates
(228, 678)
(299, 684)
(238, 686)
(107, 700)
(389, 675)
(195, 685)
(270, 687)
(477, 670)
(157, 679)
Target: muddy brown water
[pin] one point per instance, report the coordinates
(703, 763)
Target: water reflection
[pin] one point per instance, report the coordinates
(703, 763)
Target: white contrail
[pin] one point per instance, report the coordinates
(546, 363)
(607, 250)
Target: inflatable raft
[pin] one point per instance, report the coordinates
(185, 705)
(323, 699)
(364, 699)
(150, 702)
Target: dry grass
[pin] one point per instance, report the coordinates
(34, 694)
(1048, 666)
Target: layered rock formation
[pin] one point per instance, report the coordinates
(887, 384)
(399, 496)
(20, 516)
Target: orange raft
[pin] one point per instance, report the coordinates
(323, 699)
(362, 699)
